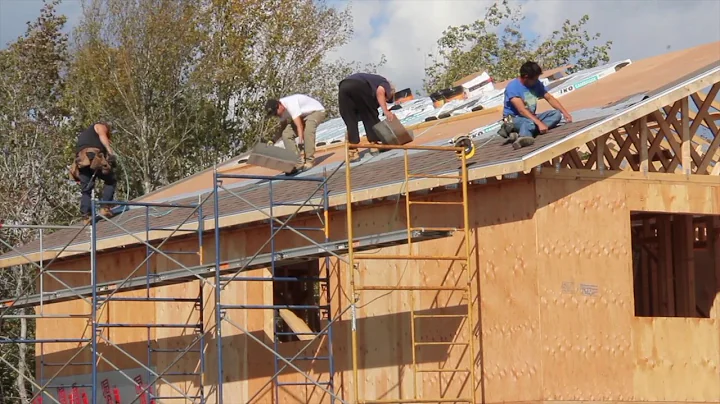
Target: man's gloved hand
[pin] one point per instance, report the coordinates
(112, 160)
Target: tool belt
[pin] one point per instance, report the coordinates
(92, 158)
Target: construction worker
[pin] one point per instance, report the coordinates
(299, 116)
(94, 159)
(521, 96)
(359, 97)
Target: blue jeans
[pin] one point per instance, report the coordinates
(526, 127)
(87, 184)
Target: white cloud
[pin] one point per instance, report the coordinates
(407, 30)
(638, 28)
(408, 33)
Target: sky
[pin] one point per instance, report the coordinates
(406, 31)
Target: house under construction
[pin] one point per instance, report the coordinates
(583, 268)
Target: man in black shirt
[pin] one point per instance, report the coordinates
(94, 159)
(359, 97)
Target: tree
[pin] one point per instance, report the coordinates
(184, 81)
(257, 49)
(131, 66)
(496, 44)
(33, 176)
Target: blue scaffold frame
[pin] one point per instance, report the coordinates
(44, 269)
(195, 346)
(221, 309)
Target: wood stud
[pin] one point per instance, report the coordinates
(661, 141)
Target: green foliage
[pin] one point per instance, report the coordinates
(495, 44)
(33, 179)
(257, 49)
(131, 67)
(184, 81)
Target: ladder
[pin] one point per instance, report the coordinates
(467, 368)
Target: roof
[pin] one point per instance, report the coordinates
(598, 108)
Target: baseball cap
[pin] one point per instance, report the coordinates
(271, 107)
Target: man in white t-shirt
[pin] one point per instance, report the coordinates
(299, 116)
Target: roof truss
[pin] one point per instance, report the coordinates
(654, 109)
(670, 139)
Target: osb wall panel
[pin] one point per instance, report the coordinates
(550, 263)
(64, 352)
(111, 266)
(182, 313)
(246, 365)
(676, 359)
(125, 347)
(241, 352)
(384, 327)
(505, 246)
(585, 287)
(509, 353)
(384, 317)
(655, 196)
(595, 348)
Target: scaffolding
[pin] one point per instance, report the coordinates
(357, 288)
(94, 348)
(39, 273)
(156, 353)
(314, 206)
(173, 354)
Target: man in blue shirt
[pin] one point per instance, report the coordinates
(521, 96)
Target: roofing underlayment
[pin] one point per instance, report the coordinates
(595, 98)
(420, 109)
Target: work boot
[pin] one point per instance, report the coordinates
(298, 167)
(510, 138)
(86, 219)
(375, 151)
(523, 141)
(308, 164)
(106, 212)
(507, 127)
(353, 155)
